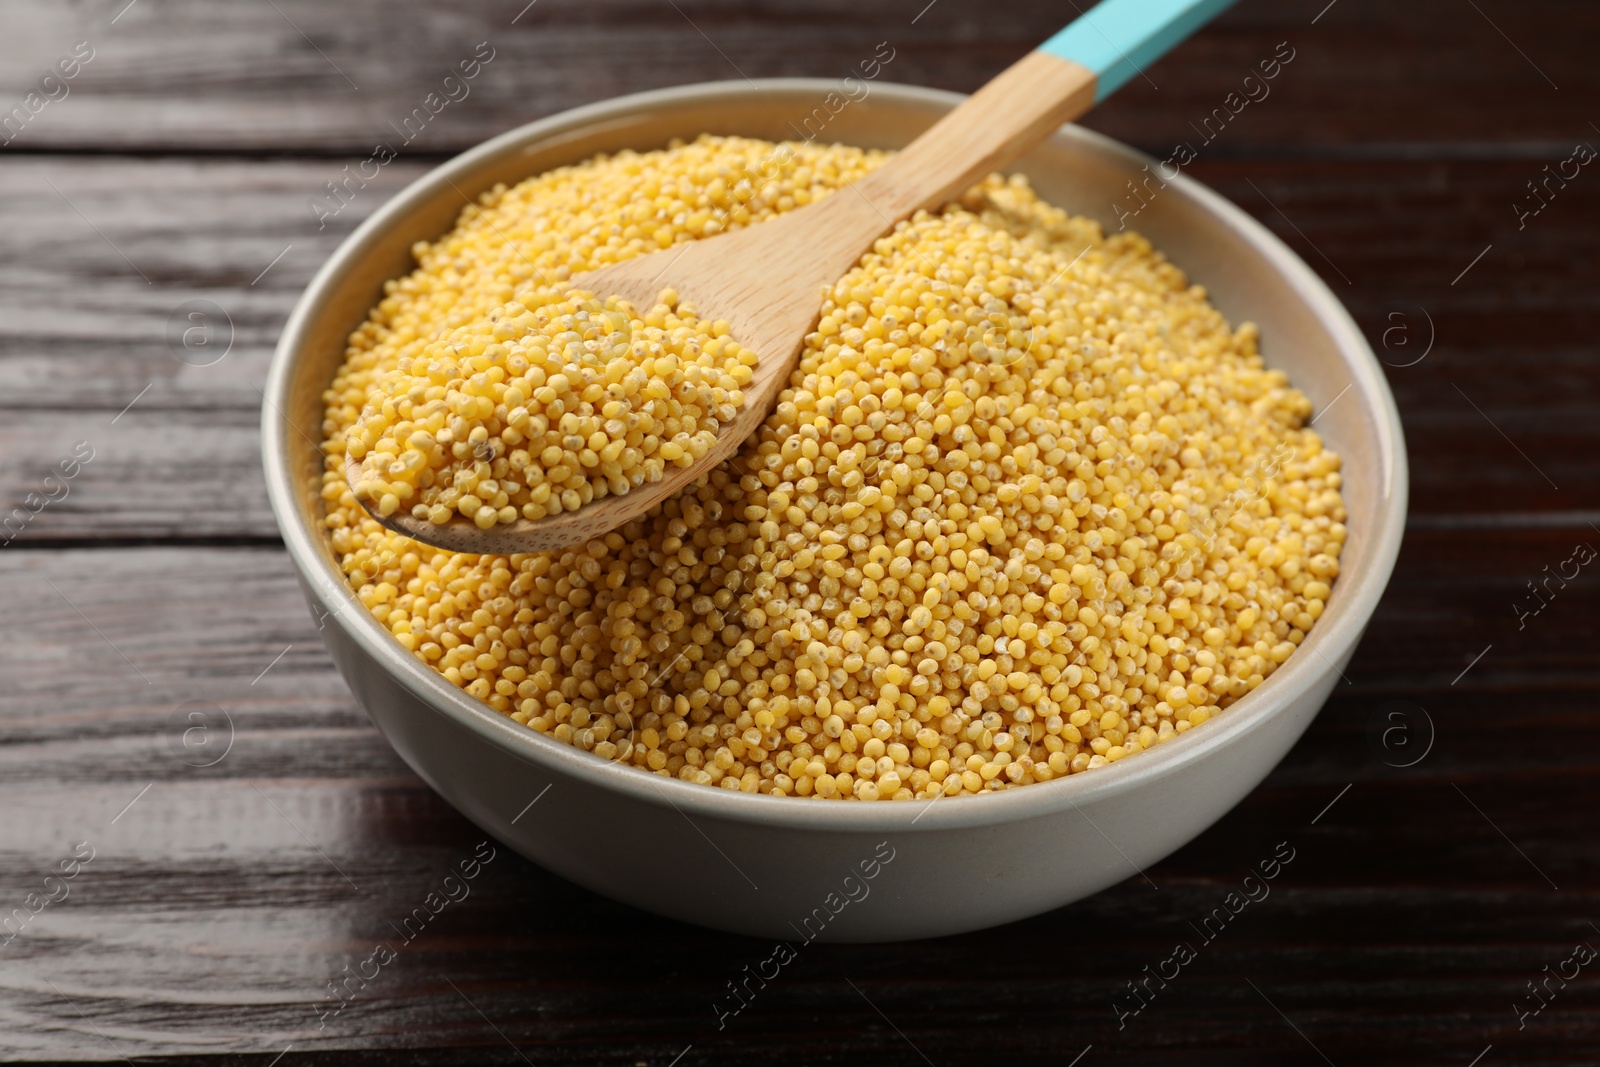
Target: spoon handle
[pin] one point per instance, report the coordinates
(1119, 38)
(1060, 80)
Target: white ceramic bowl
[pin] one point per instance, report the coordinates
(797, 869)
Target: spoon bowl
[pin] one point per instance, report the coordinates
(768, 281)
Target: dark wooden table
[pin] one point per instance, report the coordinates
(1442, 809)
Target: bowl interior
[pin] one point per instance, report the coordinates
(1249, 274)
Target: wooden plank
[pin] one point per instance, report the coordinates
(113, 256)
(302, 76)
(172, 617)
(172, 627)
(195, 475)
(216, 907)
(183, 474)
(1481, 440)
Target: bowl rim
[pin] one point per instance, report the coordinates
(1331, 641)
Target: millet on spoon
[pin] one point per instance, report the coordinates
(767, 281)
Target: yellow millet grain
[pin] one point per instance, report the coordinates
(582, 398)
(1028, 506)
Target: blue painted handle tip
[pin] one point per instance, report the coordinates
(1118, 39)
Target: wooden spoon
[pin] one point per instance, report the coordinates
(768, 280)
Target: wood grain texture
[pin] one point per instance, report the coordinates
(206, 922)
(1399, 231)
(1414, 79)
(105, 253)
(1420, 903)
